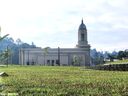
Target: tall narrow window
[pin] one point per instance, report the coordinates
(56, 61)
(52, 62)
(48, 61)
(82, 37)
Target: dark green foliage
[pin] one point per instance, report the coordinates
(111, 57)
(1, 38)
(122, 54)
(97, 57)
(112, 67)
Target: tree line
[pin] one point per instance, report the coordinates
(9, 50)
(100, 57)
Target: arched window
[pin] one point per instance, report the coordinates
(82, 37)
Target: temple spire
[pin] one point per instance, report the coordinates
(82, 35)
(82, 21)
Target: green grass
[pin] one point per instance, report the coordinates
(118, 62)
(63, 81)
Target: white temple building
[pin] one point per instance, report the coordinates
(79, 56)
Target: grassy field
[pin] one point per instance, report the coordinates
(118, 62)
(62, 81)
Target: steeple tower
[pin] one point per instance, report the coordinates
(82, 21)
(82, 35)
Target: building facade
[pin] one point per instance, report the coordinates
(79, 56)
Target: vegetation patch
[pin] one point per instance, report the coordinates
(112, 67)
(125, 61)
(63, 81)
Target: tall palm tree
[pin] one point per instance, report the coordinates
(2, 37)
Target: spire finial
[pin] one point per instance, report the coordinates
(82, 21)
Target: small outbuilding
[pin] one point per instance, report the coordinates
(3, 74)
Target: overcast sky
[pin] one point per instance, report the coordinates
(55, 23)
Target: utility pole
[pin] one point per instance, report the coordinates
(28, 63)
(58, 56)
(7, 56)
(23, 58)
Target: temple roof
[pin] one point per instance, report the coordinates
(82, 25)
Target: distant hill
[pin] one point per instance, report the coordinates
(14, 46)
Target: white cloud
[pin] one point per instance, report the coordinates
(49, 22)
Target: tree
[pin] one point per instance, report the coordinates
(19, 42)
(45, 53)
(126, 53)
(5, 55)
(121, 55)
(111, 57)
(77, 60)
(14, 46)
(1, 38)
(97, 57)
